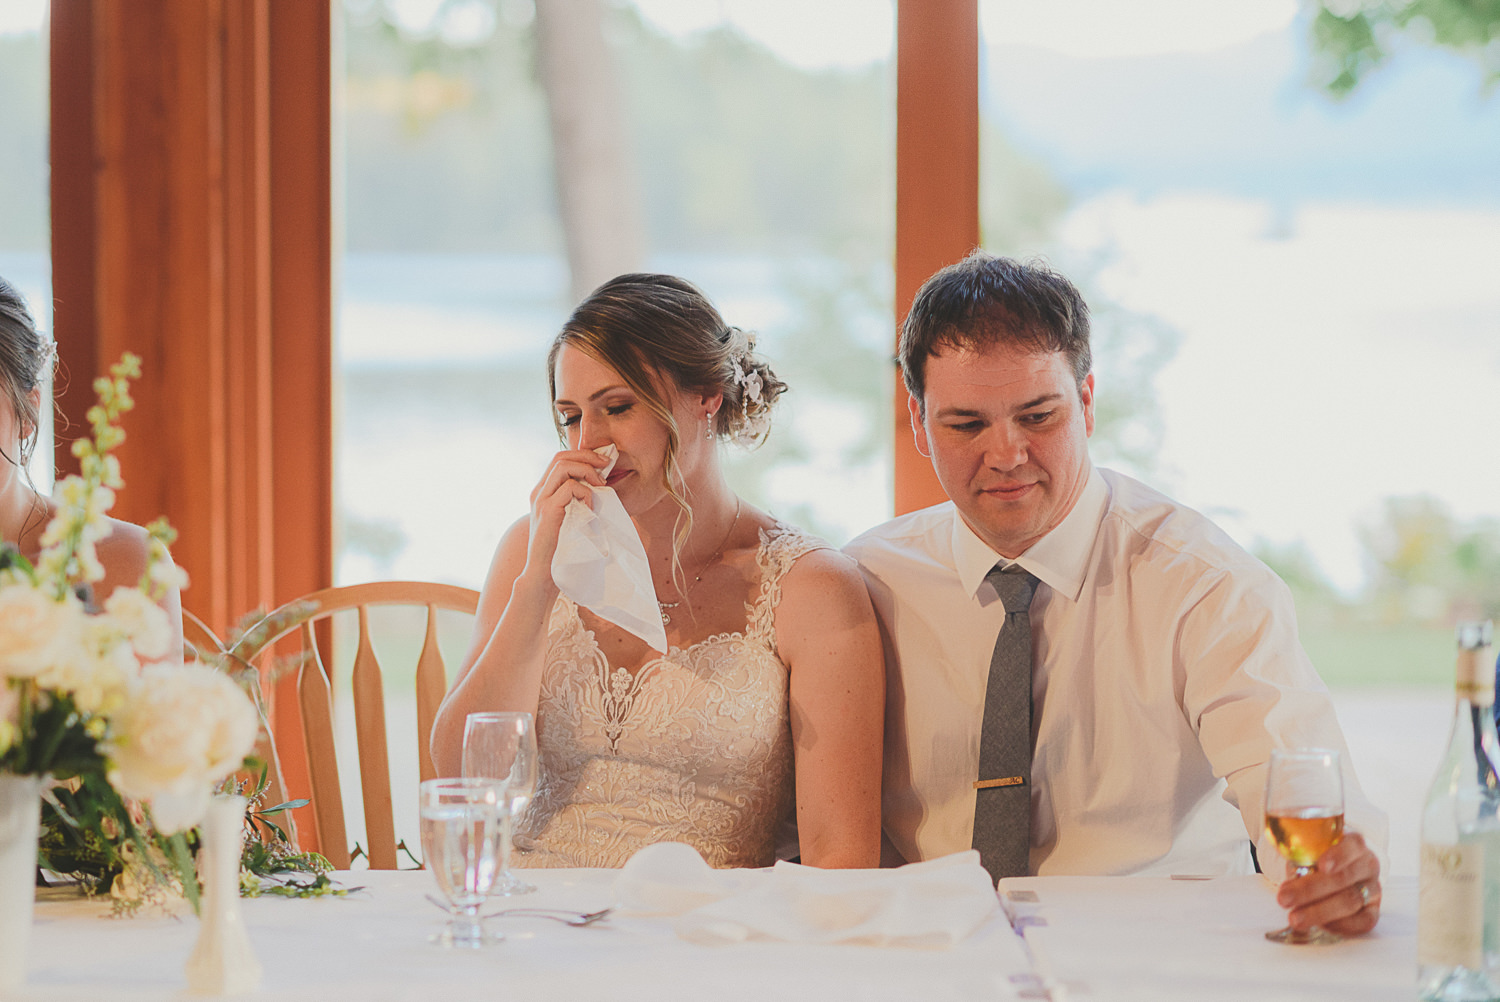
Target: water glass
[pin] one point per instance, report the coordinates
(461, 822)
(502, 745)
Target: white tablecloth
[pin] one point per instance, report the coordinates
(1145, 939)
(372, 946)
(1102, 939)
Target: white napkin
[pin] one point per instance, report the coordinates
(601, 564)
(933, 904)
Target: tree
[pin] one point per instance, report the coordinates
(1354, 37)
(1429, 567)
(597, 196)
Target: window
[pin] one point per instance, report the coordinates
(454, 274)
(455, 278)
(1296, 296)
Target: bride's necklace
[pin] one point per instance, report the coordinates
(667, 606)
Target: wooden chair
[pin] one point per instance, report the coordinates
(313, 691)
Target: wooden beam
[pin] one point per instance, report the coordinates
(937, 180)
(71, 158)
(191, 201)
(301, 363)
(159, 267)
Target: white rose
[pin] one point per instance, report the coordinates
(141, 620)
(182, 730)
(35, 630)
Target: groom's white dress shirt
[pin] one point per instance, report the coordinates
(1166, 668)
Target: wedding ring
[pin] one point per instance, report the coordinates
(1364, 896)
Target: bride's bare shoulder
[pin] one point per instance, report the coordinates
(823, 581)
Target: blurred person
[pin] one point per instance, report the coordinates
(26, 359)
(1158, 663)
(773, 680)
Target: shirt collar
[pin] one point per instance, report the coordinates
(1059, 559)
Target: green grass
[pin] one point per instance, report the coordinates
(1357, 656)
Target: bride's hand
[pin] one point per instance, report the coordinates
(568, 477)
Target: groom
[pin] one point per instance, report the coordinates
(1152, 662)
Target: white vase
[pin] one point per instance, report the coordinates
(222, 962)
(20, 815)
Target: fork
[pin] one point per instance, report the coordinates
(555, 914)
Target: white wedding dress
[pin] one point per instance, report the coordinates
(695, 747)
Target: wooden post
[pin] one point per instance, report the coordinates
(191, 209)
(937, 180)
(301, 363)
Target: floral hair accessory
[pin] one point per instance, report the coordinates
(754, 417)
(740, 366)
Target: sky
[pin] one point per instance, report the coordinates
(817, 34)
(21, 15)
(820, 34)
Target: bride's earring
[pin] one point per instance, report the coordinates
(709, 418)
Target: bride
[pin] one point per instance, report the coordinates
(773, 681)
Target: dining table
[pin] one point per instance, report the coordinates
(1057, 938)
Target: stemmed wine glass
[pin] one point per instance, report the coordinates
(461, 822)
(502, 746)
(1305, 818)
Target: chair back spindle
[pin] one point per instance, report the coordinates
(374, 764)
(432, 686)
(314, 692)
(316, 701)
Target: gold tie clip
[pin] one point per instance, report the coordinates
(985, 784)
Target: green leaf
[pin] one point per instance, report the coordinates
(183, 860)
(288, 805)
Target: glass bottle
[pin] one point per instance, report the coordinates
(1458, 923)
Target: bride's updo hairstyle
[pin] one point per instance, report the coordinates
(24, 358)
(647, 327)
(652, 328)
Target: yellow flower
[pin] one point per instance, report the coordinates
(168, 575)
(141, 621)
(103, 669)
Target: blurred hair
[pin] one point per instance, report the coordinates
(985, 300)
(24, 358)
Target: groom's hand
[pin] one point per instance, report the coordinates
(1342, 894)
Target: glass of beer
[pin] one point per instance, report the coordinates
(1305, 818)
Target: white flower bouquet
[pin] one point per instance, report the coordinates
(90, 694)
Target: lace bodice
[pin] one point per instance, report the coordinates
(696, 747)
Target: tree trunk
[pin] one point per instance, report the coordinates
(596, 190)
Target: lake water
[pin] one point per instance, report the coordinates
(1327, 358)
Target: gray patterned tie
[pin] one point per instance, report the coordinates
(1002, 807)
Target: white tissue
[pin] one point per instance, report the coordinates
(601, 564)
(930, 905)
